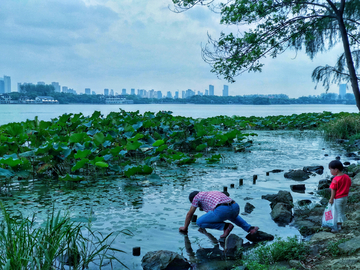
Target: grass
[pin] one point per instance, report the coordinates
(58, 242)
(281, 250)
(342, 128)
(332, 248)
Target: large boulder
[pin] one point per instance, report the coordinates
(298, 188)
(164, 260)
(297, 175)
(350, 246)
(282, 197)
(281, 213)
(323, 184)
(356, 179)
(233, 245)
(259, 236)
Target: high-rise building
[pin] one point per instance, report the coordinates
(206, 92)
(226, 91)
(168, 94)
(2, 86)
(111, 92)
(189, 93)
(133, 91)
(56, 86)
(123, 91)
(87, 91)
(106, 92)
(183, 94)
(7, 84)
(158, 94)
(64, 89)
(176, 94)
(342, 91)
(211, 90)
(93, 93)
(41, 83)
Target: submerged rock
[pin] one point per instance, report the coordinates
(298, 188)
(164, 260)
(316, 169)
(297, 175)
(281, 213)
(249, 208)
(282, 196)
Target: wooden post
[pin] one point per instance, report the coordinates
(254, 179)
(241, 182)
(232, 185)
(267, 173)
(136, 251)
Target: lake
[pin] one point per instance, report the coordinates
(22, 112)
(153, 213)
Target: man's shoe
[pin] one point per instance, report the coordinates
(253, 229)
(227, 231)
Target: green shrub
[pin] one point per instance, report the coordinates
(280, 250)
(343, 127)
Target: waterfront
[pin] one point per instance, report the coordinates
(22, 112)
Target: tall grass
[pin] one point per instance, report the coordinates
(58, 242)
(342, 128)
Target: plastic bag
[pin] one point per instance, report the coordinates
(329, 216)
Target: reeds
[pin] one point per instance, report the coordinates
(56, 243)
(342, 128)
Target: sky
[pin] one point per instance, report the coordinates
(139, 44)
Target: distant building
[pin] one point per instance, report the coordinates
(87, 91)
(158, 94)
(183, 94)
(64, 89)
(342, 91)
(7, 84)
(211, 90)
(123, 91)
(2, 86)
(206, 92)
(226, 91)
(117, 100)
(45, 100)
(5, 99)
(106, 92)
(132, 91)
(176, 94)
(111, 92)
(41, 83)
(168, 94)
(93, 93)
(189, 93)
(56, 87)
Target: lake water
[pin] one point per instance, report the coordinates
(153, 213)
(21, 112)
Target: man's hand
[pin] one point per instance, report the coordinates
(183, 229)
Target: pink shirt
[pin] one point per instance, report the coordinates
(208, 200)
(341, 184)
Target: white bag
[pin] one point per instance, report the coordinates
(329, 216)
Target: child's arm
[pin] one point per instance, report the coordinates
(333, 191)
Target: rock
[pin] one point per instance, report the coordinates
(337, 157)
(350, 155)
(259, 236)
(297, 175)
(282, 196)
(346, 163)
(326, 155)
(281, 214)
(356, 180)
(316, 169)
(249, 208)
(323, 236)
(276, 171)
(350, 246)
(208, 254)
(295, 264)
(324, 192)
(304, 202)
(298, 188)
(164, 260)
(323, 184)
(233, 246)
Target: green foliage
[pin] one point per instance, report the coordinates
(332, 248)
(27, 246)
(280, 250)
(344, 127)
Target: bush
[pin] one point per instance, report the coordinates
(281, 250)
(342, 128)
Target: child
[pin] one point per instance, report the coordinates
(339, 186)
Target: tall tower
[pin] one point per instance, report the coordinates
(226, 91)
(56, 86)
(2, 86)
(87, 91)
(342, 91)
(106, 92)
(7, 84)
(211, 90)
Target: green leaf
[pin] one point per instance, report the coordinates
(158, 143)
(82, 154)
(102, 164)
(6, 173)
(71, 177)
(78, 137)
(80, 164)
(99, 138)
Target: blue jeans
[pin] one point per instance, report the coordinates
(215, 219)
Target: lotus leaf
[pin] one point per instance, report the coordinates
(137, 126)
(106, 144)
(108, 157)
(201, 147)
(158, 143)
(133, 145)
(82, 154)
(78, 137)
(80, 164)
(6, 173)
(71, 177)
(161, 148)
(92, 132)
(99, 138)
(101, 164)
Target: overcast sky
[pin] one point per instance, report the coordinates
(137, 44)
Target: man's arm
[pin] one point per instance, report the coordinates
(188, 219)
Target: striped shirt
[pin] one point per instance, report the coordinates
(208, 200)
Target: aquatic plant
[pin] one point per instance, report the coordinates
(73, 147)
(55, 243)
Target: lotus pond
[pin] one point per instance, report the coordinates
(153, 206)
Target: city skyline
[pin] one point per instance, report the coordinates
(104, 44)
